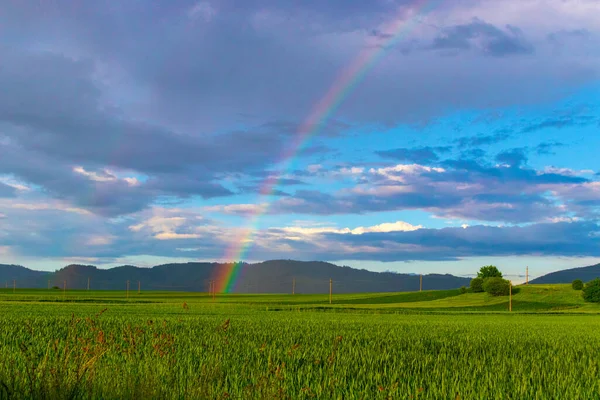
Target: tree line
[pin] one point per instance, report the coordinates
(489, 279)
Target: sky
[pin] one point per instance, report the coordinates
(391, 135)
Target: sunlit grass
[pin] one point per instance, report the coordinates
(427, 345)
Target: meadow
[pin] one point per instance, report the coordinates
(420, 345)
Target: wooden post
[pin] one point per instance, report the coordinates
(294, 286)
(421, 283)
(527, 275)
(127, 292)
(14, 285)
(64, 288)
(330, 291)
(510, 296)
(139, 287)
(48, 284)
(88, 283)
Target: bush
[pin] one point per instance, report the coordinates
(489, 271)
(496, 286)
(55, 287)
(591, 291)
(577, 284)
(477, 285)
(463, 289)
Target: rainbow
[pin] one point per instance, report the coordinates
(226, 275)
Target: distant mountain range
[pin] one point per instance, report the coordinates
(586, 274)
(274, 276)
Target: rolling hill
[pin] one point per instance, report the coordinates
(569, 275)
(26, 277)
(275, 276)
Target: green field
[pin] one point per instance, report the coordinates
(425, 345)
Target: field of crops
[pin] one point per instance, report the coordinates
(168, 345)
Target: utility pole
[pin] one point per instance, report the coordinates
(510, 296)
(88, 283)
(48, 284)
(64, 288)
(330, 291)
(139, 287)
(294, 286)
(421, 283)
(127, 292)
(527, 275)
(214, 290)
(14, 285)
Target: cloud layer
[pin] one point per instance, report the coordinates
(150, 129)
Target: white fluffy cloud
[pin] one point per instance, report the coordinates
(398, 226)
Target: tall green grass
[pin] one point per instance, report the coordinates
(229, 351)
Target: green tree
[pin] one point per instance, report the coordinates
(477, 285)
(489, 271)
(591, 291)
(577, 284)
(496, 286)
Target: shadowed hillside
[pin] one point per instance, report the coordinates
(266, 277)
(24, 277)
(569, 275)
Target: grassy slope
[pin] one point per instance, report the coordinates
(532, 298)
(43, 295)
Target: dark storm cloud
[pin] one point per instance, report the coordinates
(562, 36)
(108, 195)
(548, 147)
(483, 140)
(567, 239)
(473, 154)
(182, 94)
(319, 203)
(185, 186)
(513, 157)
(420, 155)
(563, 122)
(472, 171)
(484, 36)
(7, 191)
(59, 111)
(55, 119)
(270, 60)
